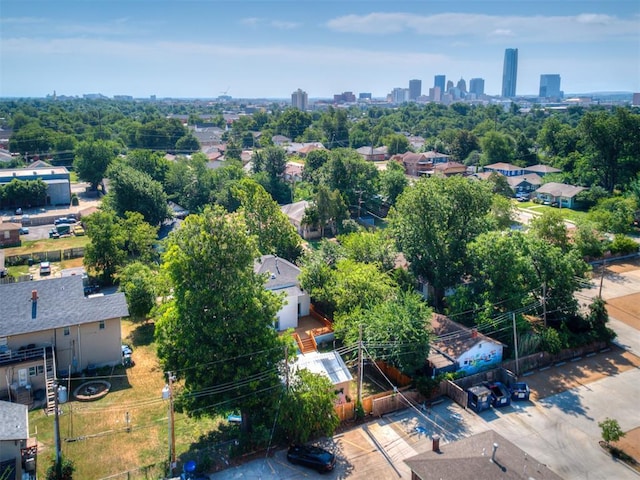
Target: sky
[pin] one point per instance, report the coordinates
(268, 49)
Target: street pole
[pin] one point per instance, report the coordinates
(360, 364)
(544, 303)
(602, 278)
(172, 465)
(515, 342)
(56, 425)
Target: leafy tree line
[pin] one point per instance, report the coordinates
(23, 193)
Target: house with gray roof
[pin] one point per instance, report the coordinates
(17, 453)
(541, 169)
(296, 212)
(57, 179)
(484, 455)
(506, 169)
(524, 184)
(50, 329)
(282, 277)
(560, 194)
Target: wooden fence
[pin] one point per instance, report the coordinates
(48, 256)
(380, 403)
(454, 392)
(393, 374)
(544, 359)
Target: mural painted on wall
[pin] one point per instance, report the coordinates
(474, 362)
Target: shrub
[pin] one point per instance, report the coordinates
(623, 245)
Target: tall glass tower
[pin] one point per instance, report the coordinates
(438, 81)
(510, 73)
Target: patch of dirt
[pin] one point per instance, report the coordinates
(630, 444)
(624, 266)
(626, 309)
(558, 379)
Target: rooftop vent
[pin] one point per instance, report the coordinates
(493, 455)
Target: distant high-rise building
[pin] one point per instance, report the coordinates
(415, 89)
(449, 85)
(344, 97)
(399, 95)
(435, 94)
(439, 81)
(364, 96)
(462, 86)
(299, 100)
(550, 86)
(476, 86)
(510, 73)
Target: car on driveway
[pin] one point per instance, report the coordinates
(64, 221)
(24, 230)
(312, 457)
(520, 391)
(45, 268)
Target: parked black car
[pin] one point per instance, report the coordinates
(520, 391)
(312, 457)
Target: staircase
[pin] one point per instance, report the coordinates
(50, 379)
(308, 344)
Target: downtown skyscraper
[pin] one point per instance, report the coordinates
(510, 73)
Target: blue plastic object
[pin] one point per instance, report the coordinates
(190, 466)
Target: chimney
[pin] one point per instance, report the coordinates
(474, 333)
(435, 444)
(34, 304)
(493, 455)
(34, 295)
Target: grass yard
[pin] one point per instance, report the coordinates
(48, 244)
(567, 213)
(94, 434)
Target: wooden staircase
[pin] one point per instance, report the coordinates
(50, 379)
(308, 344)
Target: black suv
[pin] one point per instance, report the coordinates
(312, 457)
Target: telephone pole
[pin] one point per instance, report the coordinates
(515, 342)
(360, 364)
(167, 394)
(56, 426)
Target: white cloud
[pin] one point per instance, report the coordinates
(533, 28)
(284, 25)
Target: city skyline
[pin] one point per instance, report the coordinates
(268, 49)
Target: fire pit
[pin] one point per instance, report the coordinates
(93, 390)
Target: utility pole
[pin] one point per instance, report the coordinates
(360, 364)
(56, 426)
(515, 342)
(286, 366)
(167, 394)
(544, 302)
(604, 262)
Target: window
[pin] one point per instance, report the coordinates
(36, 370)
(101, 325)
(65, 331)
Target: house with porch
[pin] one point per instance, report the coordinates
(506, 169)
(49, 329)
(457, 348)
(524, 184)
(560, 194)
(282, 277)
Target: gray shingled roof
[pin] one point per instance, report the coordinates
(282, 274)
(14, 421)
(61, 303)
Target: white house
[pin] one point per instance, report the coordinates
(461, 349)
(282, 277)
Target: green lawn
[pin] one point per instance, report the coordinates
(94, 434)
(567, 213)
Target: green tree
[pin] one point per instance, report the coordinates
(293, 122)
(370, 247)
(67, 468)
(139, 238)
(496, 147)
(396, 330)
(152, 163)
(187, 144)
(314, 161)
(500, 185)
(308, 409)
(105, 252)
(393, 181)
(551, 228)
(396, 143)
(92, 160)
(432, 223)
(611, 431)
(217, 332)
(137, 281)
(330, 208)
(358, 285)
(614, 214)
(264, 219)
(463, 143)
(133, 190)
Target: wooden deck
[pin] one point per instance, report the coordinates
(309, 324)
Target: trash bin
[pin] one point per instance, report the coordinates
(30, 262)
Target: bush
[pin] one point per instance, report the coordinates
(623, 245)
(74, 200)
(66, 469)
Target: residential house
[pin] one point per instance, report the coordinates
(49, 328)
(436, 157)
(415, 164)
(372, 154)
(296, 212)
(541, 169)
(457, 348)
(331, 365)
(282, 277)
(5, 156)
(486, 455)
(449, 168)
(10, 234)
(293, 172)
(307, 148)
(280, 140)
(506, 169)
(524, 184)
(17, 450)
(57, 179)
(559, 193)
